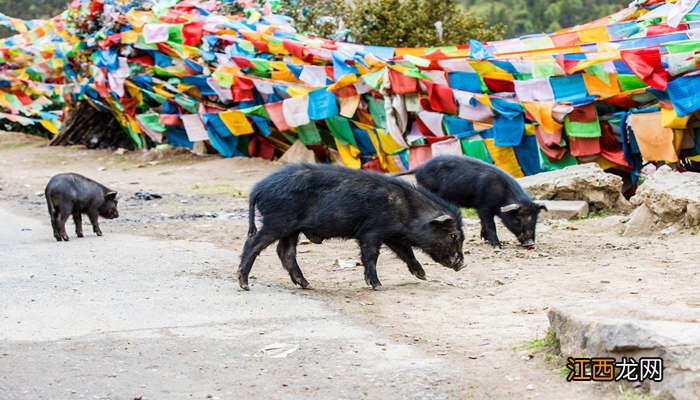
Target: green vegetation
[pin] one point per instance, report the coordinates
(547, 343)
(26, 9)
(469, 213)
(635, 395)
(537, 16)
(396, 23)
(597, 214)
(221, 189)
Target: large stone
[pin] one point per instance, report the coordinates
(564, 209)
(636, 330)
(672, 197)
(587, 182)
(641, 222)
(298, 153)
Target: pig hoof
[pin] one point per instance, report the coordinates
(304, 284)
(244, 286)
(98, 233)
(79, 235)
(378, 288)
(420, 275)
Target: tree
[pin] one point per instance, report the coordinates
(395, 23)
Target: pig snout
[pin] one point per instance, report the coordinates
(457, 262)
(528, 243)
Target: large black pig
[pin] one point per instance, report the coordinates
(472, 183)
(73, 194)
(325, 201)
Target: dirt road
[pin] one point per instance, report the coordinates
(147, 319)
(463, 332)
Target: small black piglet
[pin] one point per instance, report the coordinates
(73, 194)
(472, 183)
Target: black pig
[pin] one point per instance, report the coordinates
(325, 201)
(73, 194)
(472, 183)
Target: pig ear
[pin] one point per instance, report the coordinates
(110, 195)
(444, 219)
(510, 208)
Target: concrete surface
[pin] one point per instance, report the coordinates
(637, 330)
(125, 317)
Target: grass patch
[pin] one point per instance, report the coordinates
(547, 348)
(17, 145)
(219, 189)
(538, 344)
(631, 394)
(469, 213)
(597, 214)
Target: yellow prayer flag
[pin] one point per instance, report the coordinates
(49, 125)
(130, 37)
(348, 155)
(346, 80)
(669, 119)
(505, 158)
(236, 122)
(596, 34)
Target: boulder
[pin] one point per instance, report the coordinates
(635, 330)
(564, 209)
(641, 222)
(671, 197)
(587, 182)
(298, 153)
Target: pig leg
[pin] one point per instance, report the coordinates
(54, 226)
(287, 252)
(61, 218)
(488, 228)
(253, 246)
(405, 253)
(369, 253)
(52, 215)
(78, 220)
(95, 225)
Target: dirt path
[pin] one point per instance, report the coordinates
(472, 321)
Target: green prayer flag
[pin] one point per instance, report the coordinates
(308, 134)
(376, 110)
(256, 110)
(475, 148)
(151, 121)
(630, 82)
(544, 69)
(175, 34)
(187, 104)
(549, 165)
(598, 71)
(582, 129)
(340, 129)
(373, 79)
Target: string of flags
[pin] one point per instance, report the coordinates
(620, 91)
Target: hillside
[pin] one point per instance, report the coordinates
(27, 9)
(521, 16)
(535, 16)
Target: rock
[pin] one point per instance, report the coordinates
(641, 222)
(120, 151)
(298, 153)
(626, 329)
(564, 209)
(587, 182)
(671, 197)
